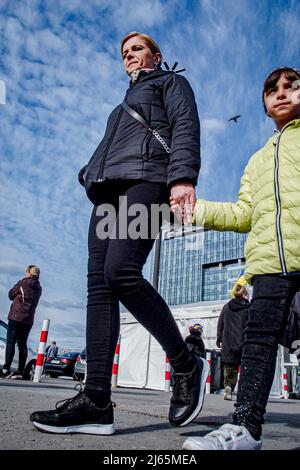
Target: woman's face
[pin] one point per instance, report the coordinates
(137, 55)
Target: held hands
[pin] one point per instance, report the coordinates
(182, 202)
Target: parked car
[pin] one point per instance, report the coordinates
(80, 366)
(31, 357)
(61, 365)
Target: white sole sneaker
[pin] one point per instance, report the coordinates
(97, 429)
(203, 379)
(227, 437)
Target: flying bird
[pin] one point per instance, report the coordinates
(235, 118)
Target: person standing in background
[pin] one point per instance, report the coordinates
(194, 340)
(25, 296)
(51, 350)
(230, 329)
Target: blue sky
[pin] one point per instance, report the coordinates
(61, 65)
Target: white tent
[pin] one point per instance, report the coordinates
(142, 360)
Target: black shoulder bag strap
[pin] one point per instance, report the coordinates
(139, 118)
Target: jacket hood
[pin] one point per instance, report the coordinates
(238, 304)
(33, 282)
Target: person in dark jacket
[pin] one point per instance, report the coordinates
(25, 297)
(194, 340)
(230, 329)
(135, 169)
(51, 350)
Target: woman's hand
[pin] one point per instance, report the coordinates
(182, 202)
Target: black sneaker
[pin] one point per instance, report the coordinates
(5, 373)
(188, 393)
(76, 415)
(16, 375)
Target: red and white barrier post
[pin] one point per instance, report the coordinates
(285, 384)
(239, 375)
(208, 381)
(167, 375)
(41, 352)
(115, 367)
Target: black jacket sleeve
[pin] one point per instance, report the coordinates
(220, 327)
(183, 117)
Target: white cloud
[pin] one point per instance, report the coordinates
(213, 124)
(13, 269)
(134, 16)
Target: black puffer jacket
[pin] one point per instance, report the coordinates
(230, 329)
(195, 343)
(129, 151)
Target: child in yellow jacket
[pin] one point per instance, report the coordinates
(268, 207)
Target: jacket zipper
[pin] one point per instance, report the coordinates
(100, 173)
(278, 204)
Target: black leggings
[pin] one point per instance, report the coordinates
(17, 333)
(271, 301)
(115, 274)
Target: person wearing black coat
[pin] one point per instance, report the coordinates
(136, 167)
(230, 329)
(194, 340)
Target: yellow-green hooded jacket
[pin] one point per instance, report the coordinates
(268, 206)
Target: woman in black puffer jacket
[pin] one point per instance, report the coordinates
(131, 172)
(230, 330)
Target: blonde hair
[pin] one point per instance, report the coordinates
(153, 46)
(33, 270)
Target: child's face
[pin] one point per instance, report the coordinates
(282, 102)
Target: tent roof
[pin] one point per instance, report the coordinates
(207, 309)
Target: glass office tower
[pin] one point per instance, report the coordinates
(197, 265)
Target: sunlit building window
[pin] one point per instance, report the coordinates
(198, 265)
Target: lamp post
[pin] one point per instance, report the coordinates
(156, 261)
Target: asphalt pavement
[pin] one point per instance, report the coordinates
(141, 418)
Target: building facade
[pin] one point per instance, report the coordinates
(197, 265)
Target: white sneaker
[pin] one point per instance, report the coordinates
(227, 393)
(227, 437)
